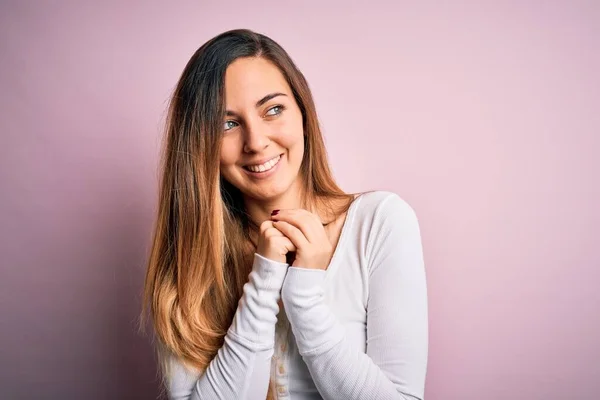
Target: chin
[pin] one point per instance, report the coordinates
(271, 192)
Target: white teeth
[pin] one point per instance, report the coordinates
(264, 167)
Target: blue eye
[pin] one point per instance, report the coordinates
(275, 110)
(229, 125)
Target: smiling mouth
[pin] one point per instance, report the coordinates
(267, 166)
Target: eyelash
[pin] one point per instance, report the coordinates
(274, 107)
(280, 106)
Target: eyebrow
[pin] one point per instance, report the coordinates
(258, 103)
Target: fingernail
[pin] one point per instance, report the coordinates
(275, 212)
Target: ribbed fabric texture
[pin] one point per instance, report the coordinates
(241, 368)
(358, 330)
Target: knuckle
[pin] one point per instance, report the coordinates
(265, 225)
(270, 236)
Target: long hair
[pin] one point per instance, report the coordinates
(201, 251)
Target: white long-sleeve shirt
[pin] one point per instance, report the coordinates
(357, 330)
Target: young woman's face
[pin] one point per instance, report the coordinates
(263, 139)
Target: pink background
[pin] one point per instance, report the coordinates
(484, 116)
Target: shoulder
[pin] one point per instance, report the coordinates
(380, 205)
(385, 222)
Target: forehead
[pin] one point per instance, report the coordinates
(249, 79)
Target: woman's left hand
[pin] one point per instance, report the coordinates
(306, 231)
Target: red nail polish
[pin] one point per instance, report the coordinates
(275, 212)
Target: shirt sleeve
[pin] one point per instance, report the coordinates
(395, 363)
(241, 368)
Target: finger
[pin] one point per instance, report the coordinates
(293, 233)
(265, 225)
(285, 242)
(268, 230)
(298, 211)
(300, 218)
(305, 221)
(277, 236)
(271, 232)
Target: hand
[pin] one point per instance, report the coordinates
(306, 232)
(273, 244)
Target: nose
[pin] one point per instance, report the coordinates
(255, 138)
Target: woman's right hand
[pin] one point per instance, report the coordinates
(272, 244)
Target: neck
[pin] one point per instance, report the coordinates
(260, 210)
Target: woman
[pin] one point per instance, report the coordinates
(265, 279)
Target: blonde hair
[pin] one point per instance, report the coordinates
(201, 253)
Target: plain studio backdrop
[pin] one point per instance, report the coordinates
(483, 115)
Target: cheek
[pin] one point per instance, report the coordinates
(292, 133)
(229, 152)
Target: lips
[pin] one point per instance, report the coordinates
(264, 166)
